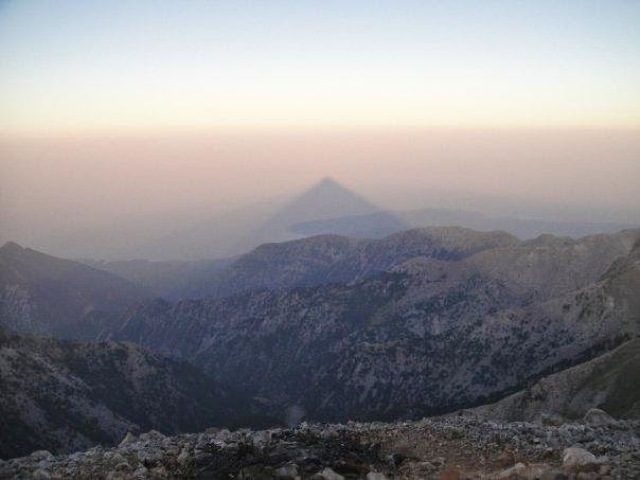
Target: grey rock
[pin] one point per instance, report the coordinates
(152, 436)
(576, 458)
(516, 470)
(595, 416)
(41, 455)
(41, 475)
(288, 471)
(128, 439)
(141, 472)
(150, 456)
(184, 456)
(328, 474)
(376, 476)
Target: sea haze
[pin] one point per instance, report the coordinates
(123, 197)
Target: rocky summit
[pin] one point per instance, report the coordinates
(460, 447)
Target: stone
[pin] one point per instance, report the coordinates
(328, 474)
(40, 455)
(41, 474)
(128, 438)
(514, 471)
(551, 419)
(159, 472)
(141, 472)
(183, 458)
(576, 458)
(506, 458)
(152, 436)
(329, 433)
(553, 474)
(288, 471)
(604, 469)
(376, 476)
(123, 467)
(150, 457)
(595, 416)
(261, 438)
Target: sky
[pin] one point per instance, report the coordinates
(113, 111)
(94, 66)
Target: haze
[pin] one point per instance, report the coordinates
(137, 120)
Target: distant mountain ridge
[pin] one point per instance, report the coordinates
(436, 331)
(336, 259)
(49, 295)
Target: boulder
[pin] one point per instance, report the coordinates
(128, 438)
(288, 471)
(328, 474)
(579, 459)
(595, 416)
(513, 472)
(376, 476)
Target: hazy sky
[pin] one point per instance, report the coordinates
(112, 110)
(78, 66)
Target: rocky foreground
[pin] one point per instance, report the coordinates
(446, 448)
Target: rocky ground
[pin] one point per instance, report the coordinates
(454, 447)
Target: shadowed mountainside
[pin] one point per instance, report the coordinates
(438, 331)
(44, 294)
(334, 259)
(64, 396)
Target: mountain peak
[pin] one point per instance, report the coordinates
(330, 186)
(328, 182)
(327, 199)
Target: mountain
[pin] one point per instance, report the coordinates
(64, 396)
(333, 259)
(603, 382)
(314, 212)
(44, 294)
(522, 227)
(451, 324)
(166, 279)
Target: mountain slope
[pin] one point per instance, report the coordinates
(63, 396)
(438, 331)
(164, 279)
(333, 259)
(44, 294)
(606, 382)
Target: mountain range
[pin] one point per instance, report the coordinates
(67, 396)
(48, 295)
(327, 327)
(477, 324)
